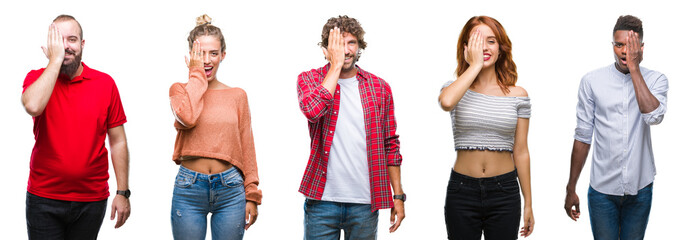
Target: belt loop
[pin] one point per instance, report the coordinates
(194, 177)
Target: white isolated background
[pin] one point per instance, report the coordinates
(411, 44)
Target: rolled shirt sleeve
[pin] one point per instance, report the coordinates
(659, 90)
(585, 113)
(314, 99)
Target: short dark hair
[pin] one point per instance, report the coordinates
(346, 24)
(65, 17)
(629, 22)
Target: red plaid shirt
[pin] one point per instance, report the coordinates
(320, 108)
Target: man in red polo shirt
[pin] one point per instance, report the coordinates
(74, 108)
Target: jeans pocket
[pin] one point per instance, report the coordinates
(454, 187)
(510, 186)
(233, 181)
(183, 181)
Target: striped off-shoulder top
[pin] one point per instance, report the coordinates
(484, 122)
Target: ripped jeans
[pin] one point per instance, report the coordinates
(196, 194)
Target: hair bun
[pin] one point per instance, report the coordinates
(204, 19)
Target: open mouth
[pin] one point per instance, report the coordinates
(208, 70)
(487, 56)
(623, 61)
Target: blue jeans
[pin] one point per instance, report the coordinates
(196, 194)
(476, 205)
(56, 219)
(323, 220)
(619, 217)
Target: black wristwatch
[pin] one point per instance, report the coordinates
(401, 197)
(126, 193)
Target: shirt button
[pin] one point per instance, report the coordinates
(334, 112)
(330, 131)
(326, 152)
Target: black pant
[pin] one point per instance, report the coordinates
(474, 205)
(55, 219)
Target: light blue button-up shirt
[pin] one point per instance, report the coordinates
(607, 108)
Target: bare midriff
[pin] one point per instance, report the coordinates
(205, 165)
(483, 163)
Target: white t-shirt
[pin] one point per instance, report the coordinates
(347, 177)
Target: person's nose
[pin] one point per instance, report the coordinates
(206, 59)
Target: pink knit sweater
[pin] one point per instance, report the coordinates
(215, 123)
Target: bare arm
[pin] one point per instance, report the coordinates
(36, 96)
(397, 215)
(521, 158)
(452, 94)
(646, 100)
(121, 206)
(580, 150)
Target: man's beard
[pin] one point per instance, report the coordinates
(71, 68)
(353, 63)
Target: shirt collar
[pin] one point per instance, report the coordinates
(361, 74)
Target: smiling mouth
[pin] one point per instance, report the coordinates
(208, 70)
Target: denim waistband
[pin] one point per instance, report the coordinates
(495, 179)
(197, 176)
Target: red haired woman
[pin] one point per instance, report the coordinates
(490, 120)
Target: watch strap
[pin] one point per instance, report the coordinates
(126, 193)
(401, 197)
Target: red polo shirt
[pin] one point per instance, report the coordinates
(69, 159)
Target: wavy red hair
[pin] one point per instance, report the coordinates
(506, 73)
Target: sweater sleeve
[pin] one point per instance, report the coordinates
(252, 193)
(187, 98)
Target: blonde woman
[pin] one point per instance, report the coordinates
(214, 146)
